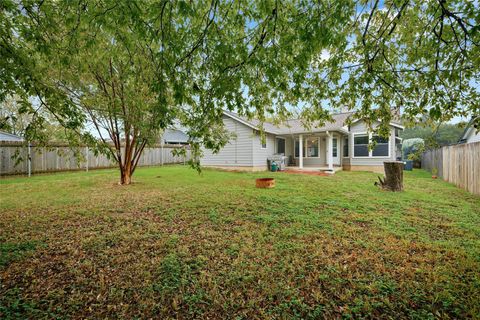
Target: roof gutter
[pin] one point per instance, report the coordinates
(316, 131)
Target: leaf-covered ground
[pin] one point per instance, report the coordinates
(181, 245)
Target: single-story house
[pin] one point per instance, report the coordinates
(330, 147)
(471, 133)
(5, 136)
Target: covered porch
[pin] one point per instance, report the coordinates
(313, 151)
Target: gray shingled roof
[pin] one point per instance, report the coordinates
(5, 136)
(295, 126)
(174, 136)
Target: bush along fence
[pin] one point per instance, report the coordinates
(21, 158)
(458, 164)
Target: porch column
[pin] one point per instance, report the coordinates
(300, 151)
(330, 151)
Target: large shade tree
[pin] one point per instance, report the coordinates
(131, 67)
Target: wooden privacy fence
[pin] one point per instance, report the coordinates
(14, 158)
(458, 164)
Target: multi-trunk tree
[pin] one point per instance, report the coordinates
(129, 68)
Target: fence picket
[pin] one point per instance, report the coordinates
(60, 157)
(457, 164)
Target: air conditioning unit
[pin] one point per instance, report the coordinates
(280, 160)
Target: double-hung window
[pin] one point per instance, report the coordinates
(280, 146)
(360, 145)
(381, 146)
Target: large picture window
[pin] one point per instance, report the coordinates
(360, 145)
(381, 147)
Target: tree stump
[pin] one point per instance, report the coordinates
(393, 176)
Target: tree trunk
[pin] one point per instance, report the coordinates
(393, 176)
(126, 167)
(128, 160)
(125, 177)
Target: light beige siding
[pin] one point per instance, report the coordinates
(237, 152)
(260, 155)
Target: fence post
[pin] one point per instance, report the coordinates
(56, 159)
(29, 162)
(86, 158)
(44, 159)
(161, 153)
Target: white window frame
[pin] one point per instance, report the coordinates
(337, 147)
(305, 147)
(353, 145)
(389, 147)
(262, 145)
(370, 152)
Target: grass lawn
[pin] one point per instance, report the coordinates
(181, 245)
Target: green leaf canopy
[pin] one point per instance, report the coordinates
(146, 63)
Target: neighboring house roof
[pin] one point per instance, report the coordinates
(469, 132)
(174, 136)
(5, 136)
(296, 126)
